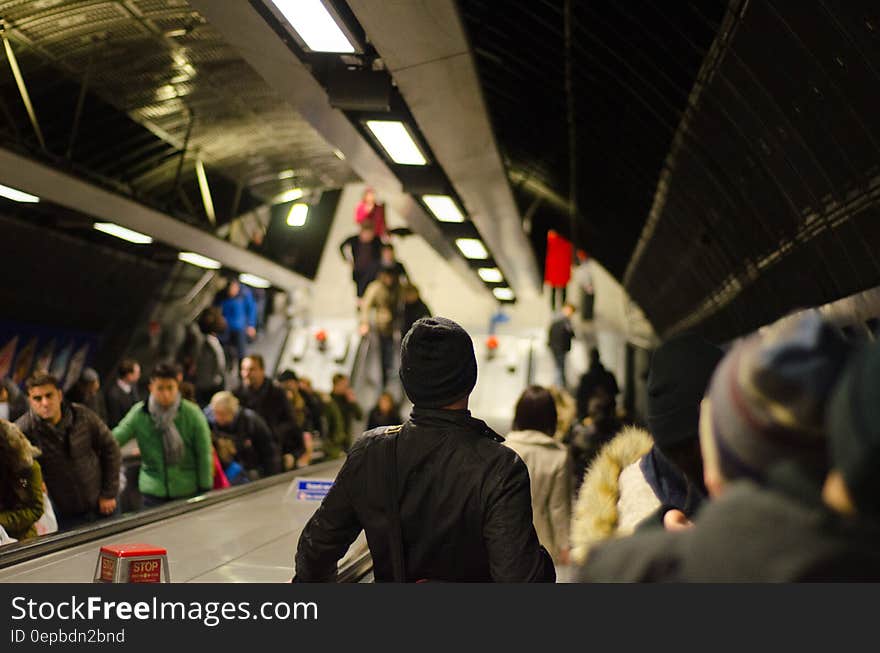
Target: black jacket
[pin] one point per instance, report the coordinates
(561, 333)
(270, 402)
(413, 311)
(254, 445)
(377, 418)
(752, 534)
(80, 459)
(119, 402)
(593, 379)
(465, 506)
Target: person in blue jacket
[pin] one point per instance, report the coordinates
(240, 312)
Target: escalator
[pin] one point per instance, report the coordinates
(247, 533)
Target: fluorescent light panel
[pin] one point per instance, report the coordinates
(288, 196)
(443, 207)
(253, 280)
(17, 195)
(490, 275)
(200, 261)
(298, 215)
(123, 233)
(315, 25)
(504, 294)
(472, 248)
(395, 138)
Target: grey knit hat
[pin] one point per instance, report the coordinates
(769, 395)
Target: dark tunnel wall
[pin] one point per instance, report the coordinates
(772, 199)
(59, 281)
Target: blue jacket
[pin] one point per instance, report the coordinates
(240, 311)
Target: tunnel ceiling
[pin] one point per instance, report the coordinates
(153, 65)
(633, 65)
(760, 198)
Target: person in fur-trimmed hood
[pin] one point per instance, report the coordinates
(640, 476)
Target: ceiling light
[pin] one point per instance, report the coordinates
(490, 275)
(286, 174)
(503, 294)
(443, 208)
(17, 195)
(201, 261)
(298, 214)
(172, 33)
(315, 25)
(397, 142)
(253, 280)
(122, 232)
(472, 248)
(288, 196)
(339, 155)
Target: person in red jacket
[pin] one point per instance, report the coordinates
(557, 266)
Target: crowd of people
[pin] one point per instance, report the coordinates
(758, 464)
(193, 432)
(388, 303)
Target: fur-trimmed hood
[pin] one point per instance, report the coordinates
(597, 512)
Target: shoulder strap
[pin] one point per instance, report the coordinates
(395, 533)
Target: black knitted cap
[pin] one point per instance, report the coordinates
(680, 372)
(437, 363)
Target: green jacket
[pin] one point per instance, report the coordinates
(193, 474)
(19, 521)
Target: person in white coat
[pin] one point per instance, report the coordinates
(549, 468)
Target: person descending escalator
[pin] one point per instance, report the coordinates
(413, 309)
(21, 484)
(364, 253)
(596, 378)
(440, 497)
(384, 413)
(381, 310)
(124, 392)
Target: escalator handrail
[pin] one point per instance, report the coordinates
(31, 549)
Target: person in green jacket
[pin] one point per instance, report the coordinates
(174, 439)
(21, 483)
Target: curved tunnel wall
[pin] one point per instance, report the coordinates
(772, 193)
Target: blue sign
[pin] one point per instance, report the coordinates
(309, 489)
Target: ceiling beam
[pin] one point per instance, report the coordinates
(72, 192)
(424, 45)
(247, 31)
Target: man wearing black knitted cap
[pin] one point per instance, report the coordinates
(440, 498)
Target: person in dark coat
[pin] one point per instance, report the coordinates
(384, 413)
(559, 340)
(364, 252)
(269, 401)
(777, 513)
(462, 497)
(80, 458)
(250, 440)
(413, 309)
(123, 393)
(594, 379)
(87, 391)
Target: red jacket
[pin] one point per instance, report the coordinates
(557, 265)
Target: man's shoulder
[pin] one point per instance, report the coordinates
(82, 414)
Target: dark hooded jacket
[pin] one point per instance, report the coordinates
(465, 506)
